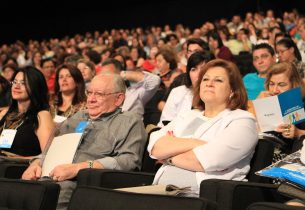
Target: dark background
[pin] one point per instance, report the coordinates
(46, 19)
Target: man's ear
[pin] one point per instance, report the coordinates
(120, 99)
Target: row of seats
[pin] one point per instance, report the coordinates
(214, 194)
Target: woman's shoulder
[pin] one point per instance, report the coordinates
(43, 114)
(239, 113)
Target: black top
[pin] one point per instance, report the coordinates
(26, 142)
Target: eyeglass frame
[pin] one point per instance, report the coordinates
(99, 94)
(21, 83)
(282, 51)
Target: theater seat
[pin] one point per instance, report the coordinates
(238, 195)
(95, 198)
(28, 195)
(12, 170)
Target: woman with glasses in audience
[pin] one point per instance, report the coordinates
(215, 141)
(27, 124)
(70, 94)
(288, 51)
(282, 77)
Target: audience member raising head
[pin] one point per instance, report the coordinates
(216, 141)
(28, 113)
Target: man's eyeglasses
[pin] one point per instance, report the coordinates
(21, 83)
(98, 94)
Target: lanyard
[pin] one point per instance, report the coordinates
(14, 128)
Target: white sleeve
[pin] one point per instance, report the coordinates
(150, 85)
(235, 142)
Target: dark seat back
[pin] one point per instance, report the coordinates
(149, 164)
(28, 195)
(94, 198)
(113, 178)
(262, 158)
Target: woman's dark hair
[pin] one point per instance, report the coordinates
(289, 43)
(77, 76)
(37, 89)
(194, 60)
(4, 92)
(239, 97)
(215, 36)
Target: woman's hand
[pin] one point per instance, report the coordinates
(287, 130)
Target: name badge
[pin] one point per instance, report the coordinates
(7, 138)
(81, 126)
(59, 119)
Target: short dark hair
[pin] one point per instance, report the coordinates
(264, 46)
(203, 44)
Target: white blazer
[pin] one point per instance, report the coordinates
(231, 138)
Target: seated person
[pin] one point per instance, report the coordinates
(180, 99)
(113, 139)
(216, 141)
(263, 57)
(28, 114)
(280, 78)
(70, 93)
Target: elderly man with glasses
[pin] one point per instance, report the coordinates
(111, 139)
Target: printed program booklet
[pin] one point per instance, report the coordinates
(286, 107)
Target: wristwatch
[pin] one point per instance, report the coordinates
(90, 163)
(169, 161)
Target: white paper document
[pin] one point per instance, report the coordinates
(61, 151)
(285, 108)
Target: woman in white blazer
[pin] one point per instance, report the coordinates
(215, 141)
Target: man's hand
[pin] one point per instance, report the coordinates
(33, 172)
(65, 171)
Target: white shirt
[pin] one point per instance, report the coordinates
(301, 47)
(138, 94)
(179, 101)
(231, 138)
